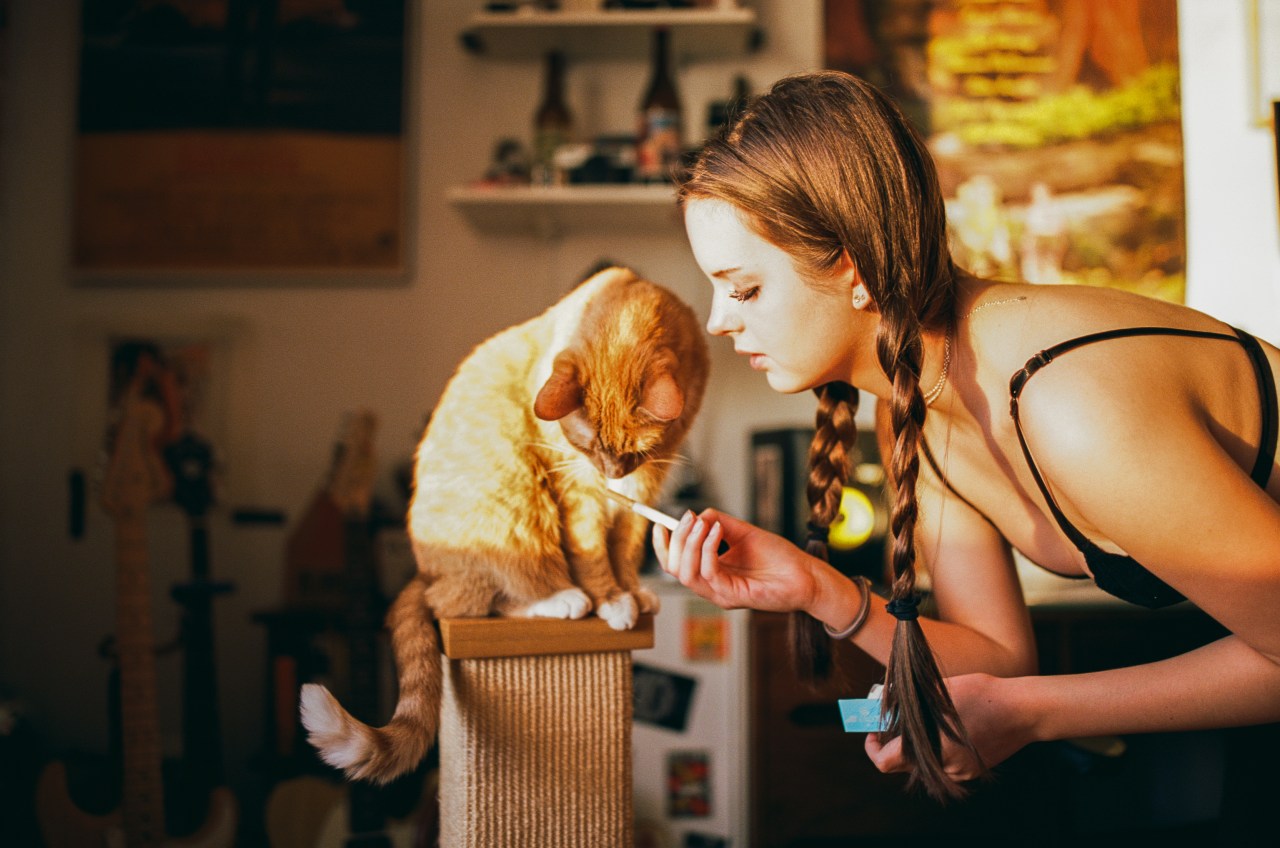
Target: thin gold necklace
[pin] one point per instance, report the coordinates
(936, 392)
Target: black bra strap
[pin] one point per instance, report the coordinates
(1266, 385)
(1261, 473)
(1047, 355)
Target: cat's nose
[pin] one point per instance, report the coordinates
(618, 467)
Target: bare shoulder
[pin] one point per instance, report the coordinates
(1119, 425)
(1012, 322)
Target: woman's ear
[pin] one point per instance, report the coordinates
(849, 276)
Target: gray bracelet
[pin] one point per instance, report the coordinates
(864, 585)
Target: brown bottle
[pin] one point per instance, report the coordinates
(658, 139)
(552, 124)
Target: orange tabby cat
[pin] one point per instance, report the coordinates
(509, 514)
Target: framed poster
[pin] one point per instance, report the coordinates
(1264, 58)
(224, 137)
(1055, 125)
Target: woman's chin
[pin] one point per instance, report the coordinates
(785, 383)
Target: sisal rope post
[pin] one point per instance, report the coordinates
(535, 733)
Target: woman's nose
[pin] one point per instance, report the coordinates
(721, 321)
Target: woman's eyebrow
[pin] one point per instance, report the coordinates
(725, 273)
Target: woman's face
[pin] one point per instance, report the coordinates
(800, 335)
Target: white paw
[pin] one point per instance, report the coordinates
(567, 603)
(648, 599)
(621, 613)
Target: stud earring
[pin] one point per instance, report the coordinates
(859, 299)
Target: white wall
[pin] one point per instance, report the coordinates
(297, 357)
(1233, 250)
(302, 355)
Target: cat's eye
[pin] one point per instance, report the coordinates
(743, 295)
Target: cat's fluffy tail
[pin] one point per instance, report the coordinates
(379, 754)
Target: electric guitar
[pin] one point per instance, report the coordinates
(135, 478)
(356, 817)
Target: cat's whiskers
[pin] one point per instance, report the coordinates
(554, 448)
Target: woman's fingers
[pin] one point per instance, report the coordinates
(661, 544)
(678, 546)
(691, 554)
(887, 757)
(710, 548)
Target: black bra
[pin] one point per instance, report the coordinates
(1117, 574)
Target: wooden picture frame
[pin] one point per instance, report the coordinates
(242, 140)
(1264, 59)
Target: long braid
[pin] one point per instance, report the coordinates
(826, 167)
(915, 697)
(835, 432)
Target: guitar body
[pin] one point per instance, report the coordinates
(309, 811)
(64, 825)
(336, 832)
(312, 812)
(135, 478)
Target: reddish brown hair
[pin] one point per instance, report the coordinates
(822, 165)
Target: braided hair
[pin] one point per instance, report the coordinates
(821, 166)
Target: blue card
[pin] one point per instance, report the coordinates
(861, 715)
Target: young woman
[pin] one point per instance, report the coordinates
(1101, 434)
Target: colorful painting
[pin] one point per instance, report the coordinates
(1055, 124)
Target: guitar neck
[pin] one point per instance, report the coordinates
(201, 723)
(142, 803)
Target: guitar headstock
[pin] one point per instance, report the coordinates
(354, 463)
(190, 461)
(136, 476)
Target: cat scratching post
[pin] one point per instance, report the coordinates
(535, 733)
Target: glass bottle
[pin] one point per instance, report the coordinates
(552, 123)
(658, 139)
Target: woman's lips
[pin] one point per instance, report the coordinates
(756, 360)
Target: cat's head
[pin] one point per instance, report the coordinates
(616, 420)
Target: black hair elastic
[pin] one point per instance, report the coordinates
(904, 609)
(818, 534)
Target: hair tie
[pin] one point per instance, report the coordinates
(904, 609)
(818, 533)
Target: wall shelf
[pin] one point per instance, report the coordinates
(550, 211)
(613, 34)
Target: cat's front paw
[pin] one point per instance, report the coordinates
(647, 598)
(567, 603)
(621, 612)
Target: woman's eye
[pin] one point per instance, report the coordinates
(743, 295)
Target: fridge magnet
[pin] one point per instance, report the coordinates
(688, 784)
(706, 632)
(661, 697)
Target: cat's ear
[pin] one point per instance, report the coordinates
(561, 394)
(663, 398)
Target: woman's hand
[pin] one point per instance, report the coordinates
(996, 725)
(759, 570)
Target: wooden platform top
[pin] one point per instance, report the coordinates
(476, 638)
